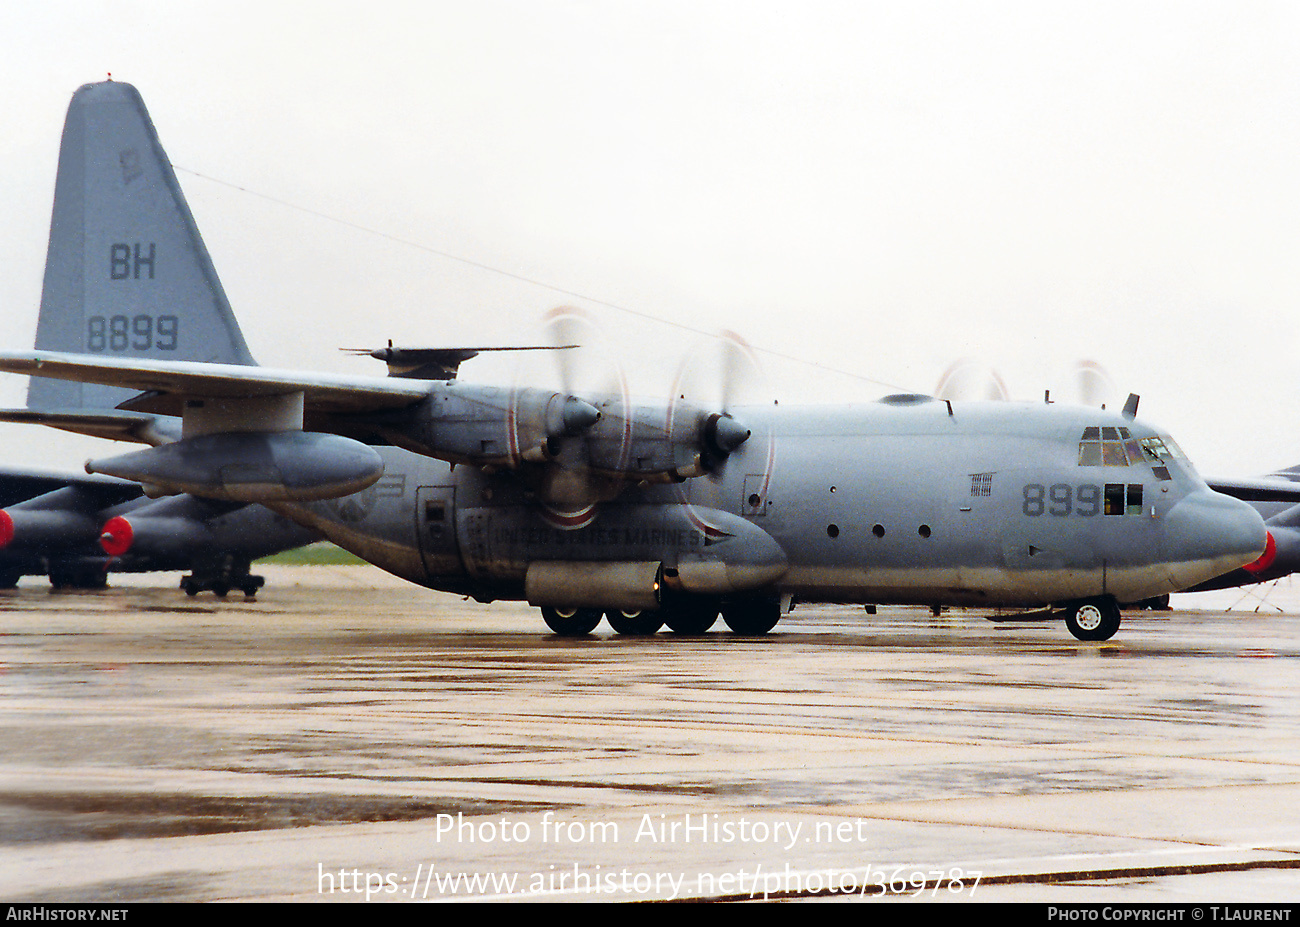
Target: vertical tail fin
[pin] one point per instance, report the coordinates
(127, 273)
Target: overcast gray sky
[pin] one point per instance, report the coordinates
(881, 188)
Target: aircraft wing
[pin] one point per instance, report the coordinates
(1258, 490)
(19, 485)
(174, 381)
(258, 413)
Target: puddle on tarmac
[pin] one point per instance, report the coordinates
(46, 817)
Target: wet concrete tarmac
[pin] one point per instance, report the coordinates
(349, 737)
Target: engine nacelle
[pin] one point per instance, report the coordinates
(490, 426)
(292, 466)
(60, 520)
(648, 442)
(39, 530)
(154, 536)
(184, 529)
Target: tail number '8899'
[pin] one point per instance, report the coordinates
(132, 333)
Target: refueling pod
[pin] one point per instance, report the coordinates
(291, 466)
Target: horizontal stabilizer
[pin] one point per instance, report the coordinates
(114, 425)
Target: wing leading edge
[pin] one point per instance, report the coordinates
(1269, 489)
(172, 382)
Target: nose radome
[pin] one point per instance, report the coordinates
(1208, 534)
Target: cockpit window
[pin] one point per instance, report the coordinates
(1163, 449)
(1155, 449)
(1107, 446)
(1115, 446)
(1113, 454)
(1174, 449)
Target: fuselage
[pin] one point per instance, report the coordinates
(906, 500)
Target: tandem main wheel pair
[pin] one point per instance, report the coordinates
(750, 616)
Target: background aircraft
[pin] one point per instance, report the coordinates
(69, 558)
(649, 512)
(1274, 497)
(78, 528)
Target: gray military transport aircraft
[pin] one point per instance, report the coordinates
(646, 513)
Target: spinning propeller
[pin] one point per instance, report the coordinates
(725, 374)
(584, 365)
(1092, 385)
(712, 377)
(968, 379)
(569, 426)
(691, 435)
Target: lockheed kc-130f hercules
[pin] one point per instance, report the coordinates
(588, 505)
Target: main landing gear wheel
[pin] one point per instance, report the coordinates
(1157, 603)
(571, 622)
(78, 578)
(248, 584)
(690, 616)
(752, 617)
(219, 574)
(639, 624)
(1093, 619)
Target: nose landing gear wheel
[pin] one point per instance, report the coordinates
(1093, 619)
(571, 622)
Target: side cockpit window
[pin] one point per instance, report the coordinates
(1160, 452)
(1171, 448)
(1123, 499)
(1155, 450)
